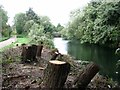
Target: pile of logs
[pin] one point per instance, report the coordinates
(56, 72)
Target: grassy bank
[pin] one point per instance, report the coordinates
(19, 42)
(4, 38)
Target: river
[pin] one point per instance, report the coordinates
(104, 57)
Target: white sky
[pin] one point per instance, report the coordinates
(57, 10)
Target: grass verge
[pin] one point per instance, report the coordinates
(19, 42)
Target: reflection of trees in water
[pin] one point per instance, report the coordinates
(105, 57)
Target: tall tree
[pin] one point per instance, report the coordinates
(19, 21)
(98, 22)
(5, 29)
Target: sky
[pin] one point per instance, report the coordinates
(57, 10)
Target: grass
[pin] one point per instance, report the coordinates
(4, 38)
(19, 42)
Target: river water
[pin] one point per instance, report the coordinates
(104, 57)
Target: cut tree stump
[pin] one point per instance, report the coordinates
(39, 50)
(29, 53)
(33, 52)
(24, 53)
(85, 76)
(55, 74)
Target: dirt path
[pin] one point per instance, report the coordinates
(7, 42)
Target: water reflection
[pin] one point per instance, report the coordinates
(105, 57)
(61, 45)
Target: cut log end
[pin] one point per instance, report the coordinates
(57, 62)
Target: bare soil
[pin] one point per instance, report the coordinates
(28, 76)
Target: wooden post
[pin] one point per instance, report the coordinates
(85, 76)
(55, 74)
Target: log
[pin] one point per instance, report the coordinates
(39, 50)
(55, 74)
(85, 76)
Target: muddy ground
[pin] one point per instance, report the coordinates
(25, 76)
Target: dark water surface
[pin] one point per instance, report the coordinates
(104, 57)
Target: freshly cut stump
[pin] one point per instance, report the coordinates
(55, 74)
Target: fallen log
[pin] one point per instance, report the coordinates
(55, 74)
(85, 76)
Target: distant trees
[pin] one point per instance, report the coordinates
(98, 22)
(5, 29)
(24, 21)
(19, 22)
(38, 28)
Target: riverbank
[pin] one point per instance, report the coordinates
(22, 75)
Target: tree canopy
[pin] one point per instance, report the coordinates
(98, 22)
(5, 28)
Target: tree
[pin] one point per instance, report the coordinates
(19, 21)
(31, 15)
(37, 35)
(59, 27)
(28, 26)
(98, 22)
(5, 28)
(48, 26)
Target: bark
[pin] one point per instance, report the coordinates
(24, 53)
(29, 53)
(85, 76)
(55, 74)
(33, 52)
(39, 50)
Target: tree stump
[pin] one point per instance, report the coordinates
(55, 74)
(24, 53)
(33, 52)
(85, 76)
(39, 50)
(29, 53)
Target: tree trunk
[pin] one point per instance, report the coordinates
(85, 76)
(39, 50)
(55, 74)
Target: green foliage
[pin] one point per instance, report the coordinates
(24, 22)
(6, 29)
(19, 22)
(4, 17)
(31, 15)
(98, 22)
(37, 35)
(27, 26)
(59, 27)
